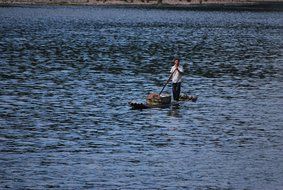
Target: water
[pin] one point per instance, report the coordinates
(67, 74)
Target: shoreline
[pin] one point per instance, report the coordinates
(239, 6)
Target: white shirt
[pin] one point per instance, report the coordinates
(177, 76)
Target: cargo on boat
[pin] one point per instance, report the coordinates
(155, 99)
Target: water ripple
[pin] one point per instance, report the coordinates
(67, 74)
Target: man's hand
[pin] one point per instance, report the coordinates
(177, 67)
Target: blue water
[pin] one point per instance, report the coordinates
(68, 73)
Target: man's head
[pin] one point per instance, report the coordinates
(177, 61)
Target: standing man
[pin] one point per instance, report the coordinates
(176, 72)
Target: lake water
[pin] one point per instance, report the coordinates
(68, 73)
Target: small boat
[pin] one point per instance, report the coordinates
(155, 100)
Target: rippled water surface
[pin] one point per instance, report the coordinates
(67, 74)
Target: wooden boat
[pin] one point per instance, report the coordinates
(155, 100)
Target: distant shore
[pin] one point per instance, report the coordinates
(209, 5)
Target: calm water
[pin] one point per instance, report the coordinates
(67, 74)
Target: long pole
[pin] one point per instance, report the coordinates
(167, 82)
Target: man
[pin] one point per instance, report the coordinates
(176, 72)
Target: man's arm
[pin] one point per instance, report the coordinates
(180, 70)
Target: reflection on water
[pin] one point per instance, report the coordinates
(175, 110)
(67, 74)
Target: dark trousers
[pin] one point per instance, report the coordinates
(176, 90)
